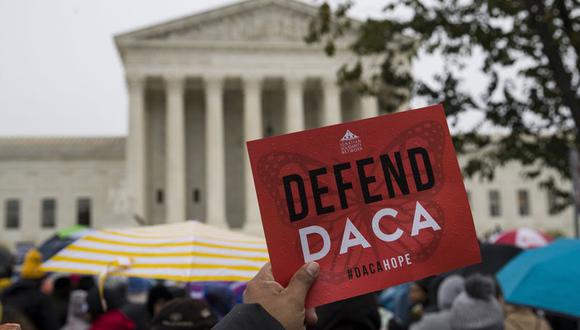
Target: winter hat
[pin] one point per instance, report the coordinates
(31, 266)
(476, 308)
(185, 314)
(449, 289)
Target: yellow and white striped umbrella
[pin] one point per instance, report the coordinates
(188, 251)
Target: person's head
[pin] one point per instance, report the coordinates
(62, 287)
(86, 283)
(449, 289)
(477, 308)
(220, 298)
(115, 298)
(31, 266)
(157, 297)
(360, 312)
(418, 292)
(185, 314)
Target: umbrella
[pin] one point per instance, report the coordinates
(61, 239)
(493, 258)
(187, 251)
(525, 238)
(546, 278)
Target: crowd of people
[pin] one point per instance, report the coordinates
(38, 301)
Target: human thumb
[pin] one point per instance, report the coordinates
(303, 280)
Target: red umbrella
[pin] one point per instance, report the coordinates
(524, 238)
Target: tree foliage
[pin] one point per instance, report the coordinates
(536, 107)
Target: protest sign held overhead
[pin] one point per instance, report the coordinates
(376, 202)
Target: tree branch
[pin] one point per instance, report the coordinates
(562, 77)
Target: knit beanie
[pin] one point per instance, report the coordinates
(476, 308)
(185, 314)
(31, 266)
(449, 289)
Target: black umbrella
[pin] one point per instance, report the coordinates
(53, 245)
(60, 240)
(493, 258)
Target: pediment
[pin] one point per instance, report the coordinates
(253, 20)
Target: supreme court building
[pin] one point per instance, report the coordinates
(198, 88)
(201, 86)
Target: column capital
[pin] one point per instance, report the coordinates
(174, 81)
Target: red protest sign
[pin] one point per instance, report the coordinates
(376, 202)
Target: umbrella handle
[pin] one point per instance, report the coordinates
(117, 265)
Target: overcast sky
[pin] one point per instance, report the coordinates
(60, 73)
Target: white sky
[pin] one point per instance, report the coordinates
(60, 73)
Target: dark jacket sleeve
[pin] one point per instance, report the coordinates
(248, 316)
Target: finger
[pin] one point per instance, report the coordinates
(311, 317)
(303, 280)
(265, 274)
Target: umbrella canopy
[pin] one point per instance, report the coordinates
(61, 239)
(188, 251)
(525, 238)
(545, 278)
(493, 258)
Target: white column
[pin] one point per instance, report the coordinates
(369, 106)
(135, 148)
(214, 153)
(175, 181)
(252, 130)
(294, 104)
(331, 110)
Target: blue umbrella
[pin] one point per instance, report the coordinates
(546, 278)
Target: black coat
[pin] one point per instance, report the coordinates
(25, 296)
(248, 316)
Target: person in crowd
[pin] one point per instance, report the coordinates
(142, 314)
(60, 295)
(220, 298)
(434, 283)
(111, 317)
(86, 283)
(396, 300)
(519, 317)
(158, 296)
(419, 298)
(185, 314)
(561, 322)
(78, 316)
(268, 305)
(361, 313)
(476, 308)
(26, 296)
(449, 289)
(6, 267)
